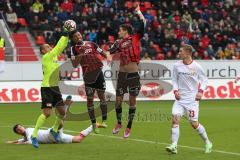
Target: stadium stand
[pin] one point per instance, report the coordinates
(212, 27)
(25, 50)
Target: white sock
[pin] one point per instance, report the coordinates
(202, 132)
(175, 134)
(87, 131)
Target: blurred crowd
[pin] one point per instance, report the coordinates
(211, 26)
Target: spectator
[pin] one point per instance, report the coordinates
(206, 56)
(12, 20)
(93, 35)
(102, 36)
(2, 42)
(220, 54)
(196, 56)
(67, 6)
(146, 56)
(37, 7)
(236, 56)
(48, 6)
(169, 56)
(211, 52)
(204, 24)
(228, 52)
(62, 15)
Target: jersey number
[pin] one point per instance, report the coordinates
(191, 113)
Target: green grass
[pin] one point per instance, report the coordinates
(150, 131)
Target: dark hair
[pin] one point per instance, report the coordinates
(72, 33)
(127, 27)
(15, 128)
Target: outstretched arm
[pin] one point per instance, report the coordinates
(20, 141)
(141, 29)
(58, 49)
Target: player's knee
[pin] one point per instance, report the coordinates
(175, 120)
(89, 102)
(118, 103)
(132, 101)
(195, 124)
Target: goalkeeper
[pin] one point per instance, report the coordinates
(51, 95)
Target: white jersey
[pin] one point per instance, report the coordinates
(188, 79)
(44, 136)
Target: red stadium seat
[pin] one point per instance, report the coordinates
(111, 39)
(147, 5)
(40, 40)
(153, 12)
(23, 22)
(129, 4)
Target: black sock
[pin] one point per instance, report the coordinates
(91, 114)
(103, 107)
(131, 115)
(119, 114)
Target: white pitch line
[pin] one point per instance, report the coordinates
(159, 143)
(144, 141)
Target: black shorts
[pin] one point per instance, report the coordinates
(94, 81)
(51, 97)
(128, 83)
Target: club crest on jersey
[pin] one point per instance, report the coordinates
(126, 44)
(87, 51)
(192, 71)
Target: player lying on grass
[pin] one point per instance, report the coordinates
(45, 137)
(189, 81)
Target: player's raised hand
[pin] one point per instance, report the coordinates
(177, 95)
(199, 96)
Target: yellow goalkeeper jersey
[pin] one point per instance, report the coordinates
(50, 64)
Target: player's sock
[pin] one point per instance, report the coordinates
(103, 106)
(86, 131)
(40, 121)
(202, 132)
(56, 124)
(131, 114)
(119, 114)
(91, 114)
(175, 134)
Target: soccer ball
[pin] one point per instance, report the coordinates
(70, 25)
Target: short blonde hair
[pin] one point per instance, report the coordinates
(188, 48)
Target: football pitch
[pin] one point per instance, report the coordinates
(150, 134)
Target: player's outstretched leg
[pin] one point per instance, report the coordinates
(202, 132)
(175, 135)
(61, 110)
(131, 114)
(40, 122)
(118, 109)
(103, 106)
(92, 115)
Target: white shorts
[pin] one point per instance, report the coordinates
(65, 138)
(190, 109)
